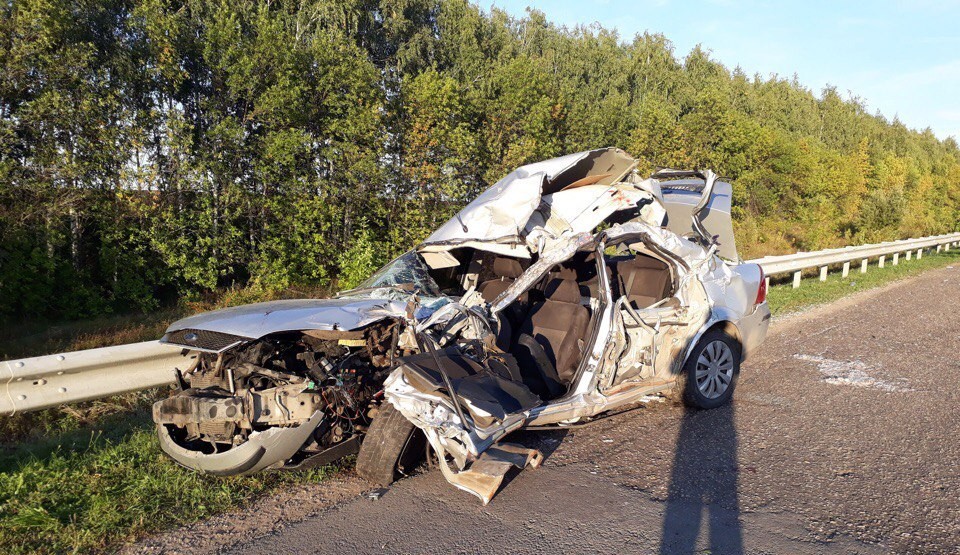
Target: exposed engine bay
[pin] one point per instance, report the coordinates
(282, 381)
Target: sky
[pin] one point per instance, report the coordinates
(901, 57)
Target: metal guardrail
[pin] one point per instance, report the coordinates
(52, 380)
(797, 263)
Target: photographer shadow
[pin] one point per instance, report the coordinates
(703, 486)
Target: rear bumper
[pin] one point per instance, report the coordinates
(753, 328)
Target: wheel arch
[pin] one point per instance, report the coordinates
(718, 321)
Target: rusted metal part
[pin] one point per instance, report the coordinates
(334, 334)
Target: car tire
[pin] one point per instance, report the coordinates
(710, 373)
(392, 445)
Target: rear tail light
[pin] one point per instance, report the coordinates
(762, 289)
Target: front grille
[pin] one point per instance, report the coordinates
(203, 340)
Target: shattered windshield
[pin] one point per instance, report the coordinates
(407, 272)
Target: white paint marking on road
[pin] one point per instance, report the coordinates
(854, 372)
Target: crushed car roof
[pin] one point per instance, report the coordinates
(500, 214)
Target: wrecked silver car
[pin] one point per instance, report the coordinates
(570, 288)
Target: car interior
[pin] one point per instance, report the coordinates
(548, 328)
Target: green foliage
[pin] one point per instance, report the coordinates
(157, 149)
(360, 260)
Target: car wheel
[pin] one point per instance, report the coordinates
(710, 373)
(392, 445)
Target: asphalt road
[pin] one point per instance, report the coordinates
(842, 439)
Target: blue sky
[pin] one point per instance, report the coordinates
(901, 57)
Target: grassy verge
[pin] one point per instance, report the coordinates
(87, 478)
(91, 489)
(784, 298)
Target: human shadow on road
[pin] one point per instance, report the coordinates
(703, 485)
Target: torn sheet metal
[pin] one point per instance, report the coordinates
(579, 210)
(562, 250)
(485, 475)
(499, 214)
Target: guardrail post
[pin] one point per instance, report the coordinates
(823, 273)
(946, 247)
(796, 279)
(882, 258)
(919, 253)
(766, 282)
(908, 254)
(939, 247)
(846, 269)
(896, 258)
(863, 265)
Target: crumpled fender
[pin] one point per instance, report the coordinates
(266, 449)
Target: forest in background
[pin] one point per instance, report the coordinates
(154, 150)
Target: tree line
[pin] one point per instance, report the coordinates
(152, 149)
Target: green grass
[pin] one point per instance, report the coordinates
(90, 489)
(783, 298)
(87, 478)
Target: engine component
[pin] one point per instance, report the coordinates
(280, 382)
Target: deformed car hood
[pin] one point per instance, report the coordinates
(253, 321)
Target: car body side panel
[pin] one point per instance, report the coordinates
(753, 328)
(724, 294)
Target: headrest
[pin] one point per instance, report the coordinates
(563, 291)
(565, 273)
(507, 267)
(641, 261)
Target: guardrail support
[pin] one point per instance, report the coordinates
(823, 273)
(908, 254)
(896, 258)
(846, 269)
(796, 279)
(919, 254)
(882, 258)
(863, 265)
(939, 247)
